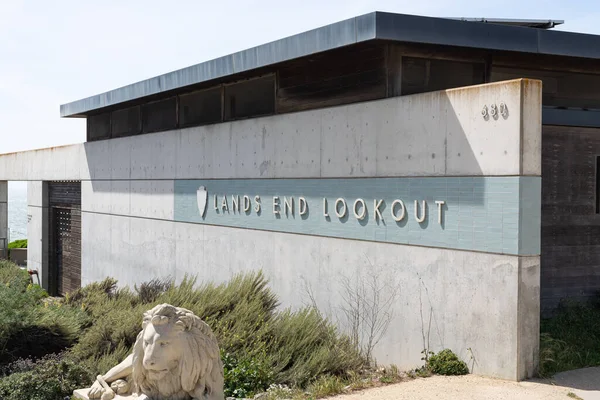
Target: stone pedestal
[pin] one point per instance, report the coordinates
(82, 394)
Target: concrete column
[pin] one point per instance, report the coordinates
(530, 192)
(3, 217)
(37, 230)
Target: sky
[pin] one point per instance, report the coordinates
(55, 52)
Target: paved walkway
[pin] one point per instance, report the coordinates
(583, 383)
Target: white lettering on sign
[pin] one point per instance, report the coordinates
(325, 208)
(224, 206)
(440, 203)
(303, 205)
(363, 213)
(395, 215)
(341, 213)
(257, 204)
(376, 206)
(287, 206)
(424, 207)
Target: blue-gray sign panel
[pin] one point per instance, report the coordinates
(470, 213)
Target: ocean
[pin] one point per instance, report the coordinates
(17, 210)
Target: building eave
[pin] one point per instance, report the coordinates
(372, 26)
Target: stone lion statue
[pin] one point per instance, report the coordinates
(175, 357)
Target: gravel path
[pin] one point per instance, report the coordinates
(470, 387)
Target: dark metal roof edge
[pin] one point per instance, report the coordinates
(329, 37)
(481, 35)
(376, 25)
(532, 23)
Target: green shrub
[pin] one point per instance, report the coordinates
(390, 375)
(51, 378)
(12, 275)
(18, 244)
(149, 291)
(245, 377)
(261, 345)
(93, 296)
(570, 339)
(447, 363)
(17, 309)
(303, 345)
(29, 327)
(326, 386)
(295, 346)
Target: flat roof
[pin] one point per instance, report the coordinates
(372, 26)
(530, 23)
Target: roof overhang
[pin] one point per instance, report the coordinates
(376, 25)
(528, 23)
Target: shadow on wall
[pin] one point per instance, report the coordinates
(429, 135)
(421, 135)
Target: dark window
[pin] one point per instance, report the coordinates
(200, 108)
(420, 75)
(160, 115)
(250, 98)
(98, 127)
(343, 76)
(559, 89)
(126, 122)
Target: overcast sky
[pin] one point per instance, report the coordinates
(55, 52)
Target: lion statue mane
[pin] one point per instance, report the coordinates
(176, 357)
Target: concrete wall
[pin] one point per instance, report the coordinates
(486, 302)
(3, 218)
(37, 229)
(462, 297)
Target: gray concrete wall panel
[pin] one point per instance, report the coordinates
(138, 198)
(451, 287)
(37, 230)
(144, 249)
(4, 216)
(35, 194)
(528, 322)
(531, 139)
(35, 216)
(440, 133)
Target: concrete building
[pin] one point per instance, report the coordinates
(390, 155)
